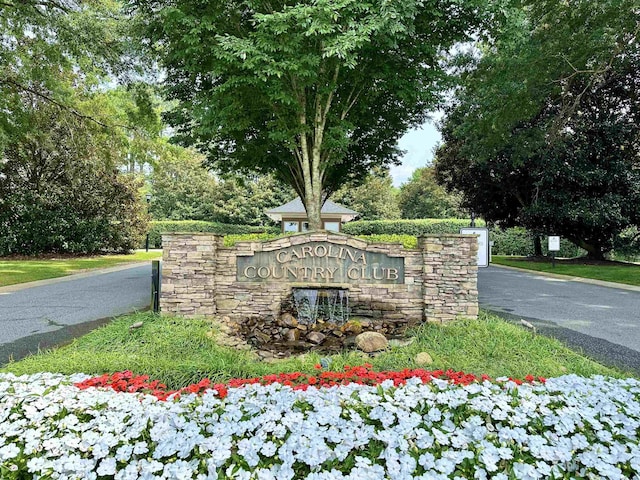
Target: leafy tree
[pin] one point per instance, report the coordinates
(317, 92)
(56, 49)
(183, 189)
(243, 199)
(374, 199)
(60, 190)
(422, 197)
(565, 161)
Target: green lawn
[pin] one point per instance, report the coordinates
(606, 271)
(178, 352)
(20, 271)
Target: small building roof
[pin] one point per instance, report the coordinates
(296, 208)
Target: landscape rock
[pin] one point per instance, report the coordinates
(354, 327)
(423, 358)
(316, 337)
(371, 342)
(288, 320)
(292, 335)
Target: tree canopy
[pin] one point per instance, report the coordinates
(422, 197)
(317, 92)
(544, 132)
(375, 199)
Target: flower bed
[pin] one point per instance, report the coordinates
(567, 427)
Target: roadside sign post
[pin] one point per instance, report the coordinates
(483, 244)
(155, 286)
(554, 246)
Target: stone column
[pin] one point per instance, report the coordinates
(450, 275)
(189, 273)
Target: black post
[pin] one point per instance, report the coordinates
(155, 286)
(146, 243)
(553, 259)
(473, 220)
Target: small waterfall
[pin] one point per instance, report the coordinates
(326, 304)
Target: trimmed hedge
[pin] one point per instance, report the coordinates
(408, 227)
(157, 228)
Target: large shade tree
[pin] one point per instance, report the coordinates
(317, 91)
(544, 133)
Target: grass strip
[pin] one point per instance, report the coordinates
(606, 271)
(21, 271)
(180, 351)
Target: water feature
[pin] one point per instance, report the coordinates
(324, 304)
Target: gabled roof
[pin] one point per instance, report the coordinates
(296, 207)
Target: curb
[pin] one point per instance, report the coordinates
(72, 276)
(590, 281)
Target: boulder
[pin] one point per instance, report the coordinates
(288, 320)
(353, 327)
(316, 337)
(371, 342)
(423, 358)
(292, 335)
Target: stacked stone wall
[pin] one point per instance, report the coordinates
(200, 278)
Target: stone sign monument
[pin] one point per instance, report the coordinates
(436, 282)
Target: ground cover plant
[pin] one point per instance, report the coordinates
(179, 352)
(15, 270)
(618, 272)
(566, 427)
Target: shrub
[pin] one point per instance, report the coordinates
(408, 227)
(184, 226)
(519, 241)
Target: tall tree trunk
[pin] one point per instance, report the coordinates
(537, 245)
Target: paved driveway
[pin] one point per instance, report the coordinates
(47, 315)
(602, 321)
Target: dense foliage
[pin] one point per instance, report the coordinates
(316, 92)
(422, 197)
(407, 227)
(183, 189)
(544, 132)
(59, 191)
(519, 241)
(63, 135)
(374, 199)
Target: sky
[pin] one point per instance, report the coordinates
(419, 144)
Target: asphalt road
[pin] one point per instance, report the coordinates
(48, 315)
(604, 322)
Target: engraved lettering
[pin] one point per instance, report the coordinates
(263, 272)
(392, 274)
(246, 271)
(375, 271)
(292, 271)
(281, 254)
(294, 253)
(320, 251)
(331, 272)
(318, 272)
(306, 250)
(352, 273)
